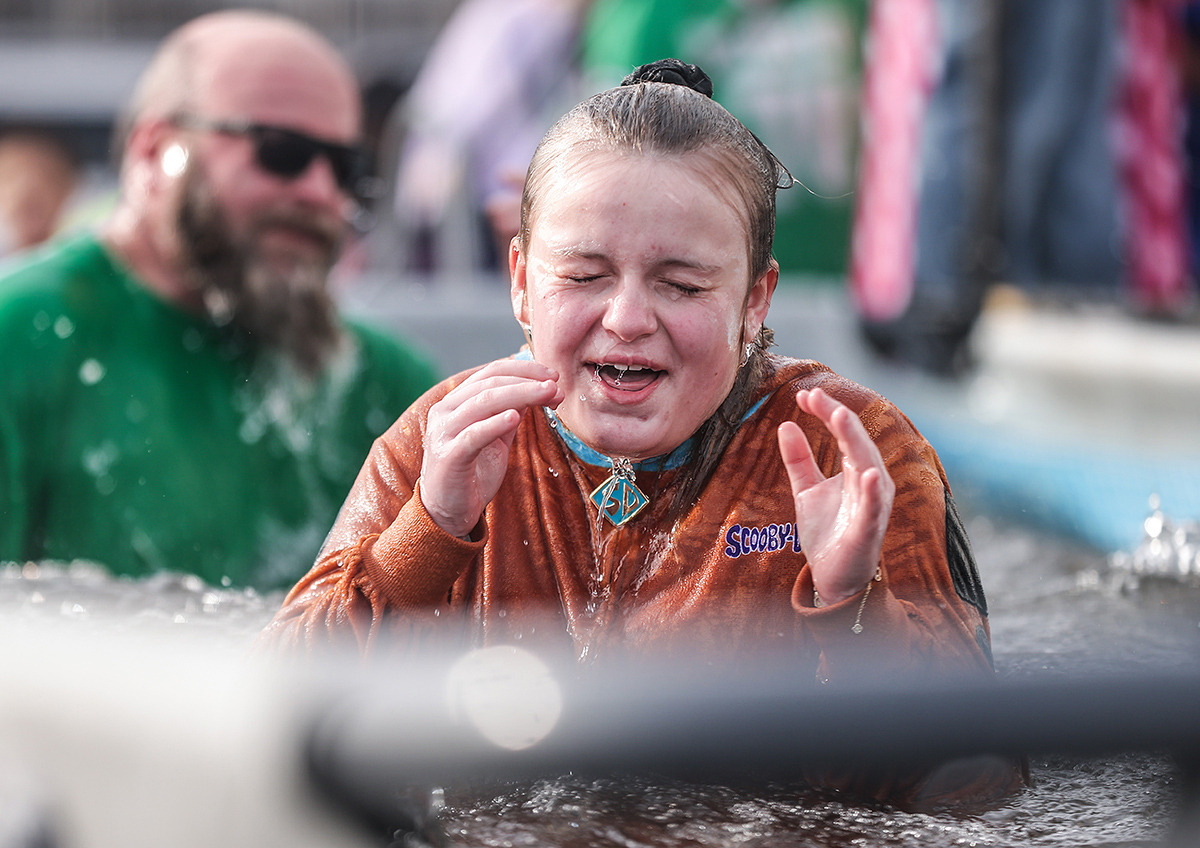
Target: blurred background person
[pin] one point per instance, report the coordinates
(39, 174)
(177, 390)
(791, 69)
(791, 66)
(498, 75)
(1031, 142)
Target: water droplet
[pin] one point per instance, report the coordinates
(251, 431)
(63, 327)
(41, 322)
(91, 372)
(98, 460)
(192, 340)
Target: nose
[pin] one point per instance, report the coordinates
(629, 312)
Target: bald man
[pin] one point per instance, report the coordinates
(177, 390)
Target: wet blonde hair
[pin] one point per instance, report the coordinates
(666, 119)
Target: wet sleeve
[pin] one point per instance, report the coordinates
(927, 613)
(384, 559)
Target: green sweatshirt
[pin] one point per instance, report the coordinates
(144, 438)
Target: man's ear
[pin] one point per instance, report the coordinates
(153, 152)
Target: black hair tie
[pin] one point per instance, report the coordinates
(672, 71)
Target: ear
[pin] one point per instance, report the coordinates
(152, 151)
(517, 275)
(758, 301)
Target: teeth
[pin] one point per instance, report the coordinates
(622, 371)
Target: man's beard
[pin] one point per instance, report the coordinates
(276, 302)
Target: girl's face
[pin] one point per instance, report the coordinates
(636, 288)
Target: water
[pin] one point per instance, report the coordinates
(1054, 608)
(93, 601)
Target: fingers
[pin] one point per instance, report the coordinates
(499, 387)
(875, 493)
(469, 433)
(486, 408)
(859, 452)
(472, 439)
(797, 457)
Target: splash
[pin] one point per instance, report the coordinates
(1170, 549)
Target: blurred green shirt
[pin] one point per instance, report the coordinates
(144, 438)
(790, 70)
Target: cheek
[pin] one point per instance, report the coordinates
(712, 337)
(559, 324)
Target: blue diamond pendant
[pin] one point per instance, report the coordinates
(618, 498)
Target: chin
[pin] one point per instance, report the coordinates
(631, 442)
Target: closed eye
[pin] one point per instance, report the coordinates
(684, 288)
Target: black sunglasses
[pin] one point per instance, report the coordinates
(287, 153)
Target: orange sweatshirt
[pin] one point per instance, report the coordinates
(727, 580)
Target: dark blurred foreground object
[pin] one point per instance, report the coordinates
(377, 746)
(1037, 142)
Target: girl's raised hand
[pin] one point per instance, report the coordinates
(469, 434)
(840, 520)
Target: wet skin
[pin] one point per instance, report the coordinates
(636, 295)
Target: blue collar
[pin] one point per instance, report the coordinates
(666, 462)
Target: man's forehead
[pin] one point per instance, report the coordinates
(279, 79)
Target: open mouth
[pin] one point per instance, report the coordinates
(626, 378)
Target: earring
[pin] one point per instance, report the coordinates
(747, 352)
